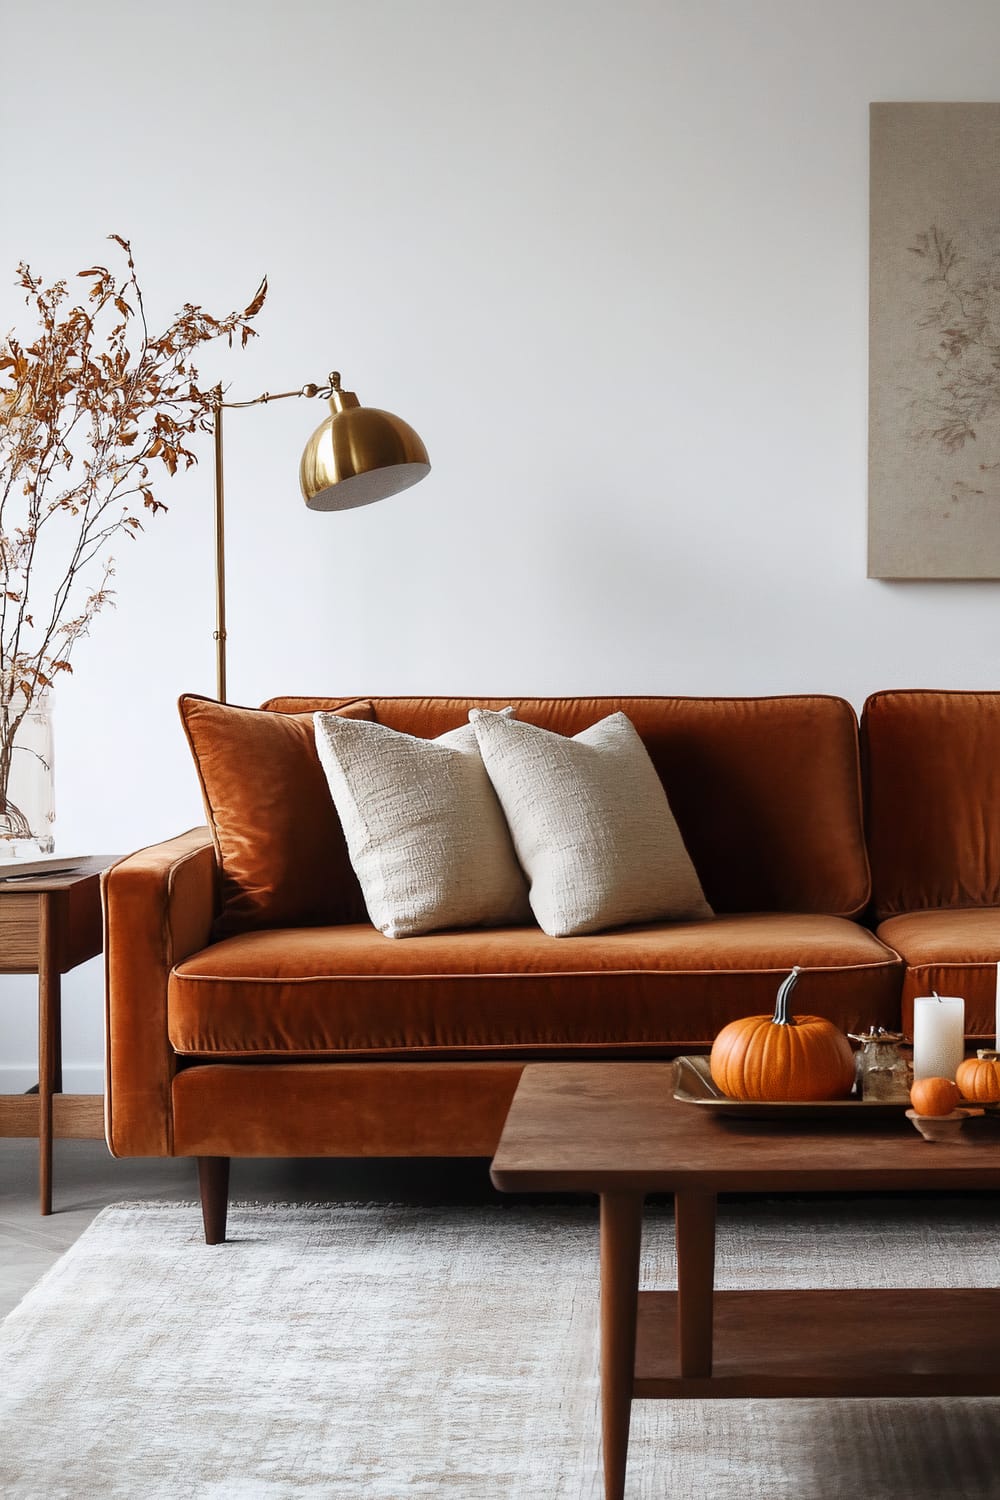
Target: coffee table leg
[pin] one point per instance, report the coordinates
(694, 1222)
(621, 1235)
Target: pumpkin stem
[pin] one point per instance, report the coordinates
(781, 1016)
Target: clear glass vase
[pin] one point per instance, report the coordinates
(27, 793)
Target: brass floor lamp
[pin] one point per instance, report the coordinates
(356, 456)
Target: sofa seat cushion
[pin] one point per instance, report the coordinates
(350, 992)
(954, 952)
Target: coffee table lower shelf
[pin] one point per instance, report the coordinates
(827, 1343)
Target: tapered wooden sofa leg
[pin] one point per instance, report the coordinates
(213, 1180)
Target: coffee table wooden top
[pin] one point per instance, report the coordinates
(615, 1127)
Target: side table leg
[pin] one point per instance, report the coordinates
(694, 1223)
(621, 1235)
(49, 1064)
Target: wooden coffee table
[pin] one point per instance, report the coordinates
(615, 1129)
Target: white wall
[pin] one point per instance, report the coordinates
(610, 259)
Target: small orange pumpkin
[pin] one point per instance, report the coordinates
(781, 1056)
(934, 1096)
(978, 1078)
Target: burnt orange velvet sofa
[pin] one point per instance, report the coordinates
(235, 1032)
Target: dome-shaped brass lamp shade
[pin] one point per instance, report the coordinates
(359, 455)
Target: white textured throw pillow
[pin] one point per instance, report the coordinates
(591, 825)
(424, 829)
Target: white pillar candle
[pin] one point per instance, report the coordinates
(938, 1035)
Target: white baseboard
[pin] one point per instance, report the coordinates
(77, 1079)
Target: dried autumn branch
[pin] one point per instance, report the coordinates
(95, 412)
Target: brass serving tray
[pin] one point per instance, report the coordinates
(695, 1086)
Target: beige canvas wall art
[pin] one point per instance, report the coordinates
(934, 365)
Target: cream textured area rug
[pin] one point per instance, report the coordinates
(378, 1353)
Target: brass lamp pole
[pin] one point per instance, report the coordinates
(356, 456)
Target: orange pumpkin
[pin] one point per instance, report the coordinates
(782, 1056)
(934, 1096)
(978, 1078)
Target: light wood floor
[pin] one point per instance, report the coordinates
(86, 1178)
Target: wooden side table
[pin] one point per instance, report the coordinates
(48, 925)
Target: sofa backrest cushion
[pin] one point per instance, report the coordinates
(932, 782)
(282, 857)
(766, 791)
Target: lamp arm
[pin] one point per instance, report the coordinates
(219, 406)
(333, 384)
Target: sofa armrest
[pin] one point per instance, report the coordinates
(159, 905)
